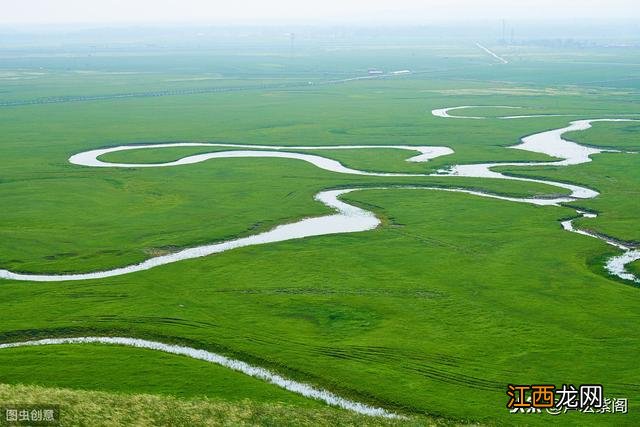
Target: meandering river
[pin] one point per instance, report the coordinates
(348, 218)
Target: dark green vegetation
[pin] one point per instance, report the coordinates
(454, 297)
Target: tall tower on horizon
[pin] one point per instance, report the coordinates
(292, 39)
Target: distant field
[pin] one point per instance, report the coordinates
(432, 314)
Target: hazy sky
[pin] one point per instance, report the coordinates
(304, 11)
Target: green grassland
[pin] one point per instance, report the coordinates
(430, 315)
(131, 370)
(208, 201)
(109, 409)
(615, 135)
(617, 178)
(351, 320)
(615, 175)
(634, 267)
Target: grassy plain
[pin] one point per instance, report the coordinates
(108, 409)
(634, 267)
(615, 175)
(434, 313)
(130, 370)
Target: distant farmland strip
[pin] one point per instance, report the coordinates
(174, 92)
(179, 92)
